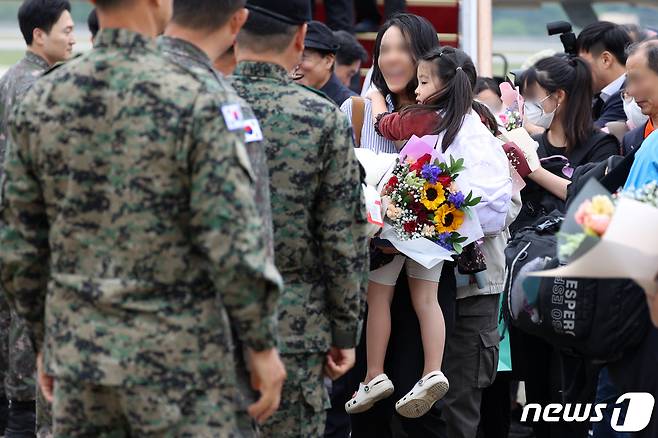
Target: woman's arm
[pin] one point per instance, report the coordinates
(551, 182)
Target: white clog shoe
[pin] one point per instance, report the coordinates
(430, 389)
(369, 393)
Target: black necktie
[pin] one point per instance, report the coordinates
(597, 106)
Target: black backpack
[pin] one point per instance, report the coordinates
(590, 318)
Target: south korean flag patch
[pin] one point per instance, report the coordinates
(233, 116)
(252, 131)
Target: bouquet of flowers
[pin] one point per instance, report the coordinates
(511, 119)
(647, 194)
(594, 216)
(512, 115)
(423, 200)
(592, 212)
(620, 236)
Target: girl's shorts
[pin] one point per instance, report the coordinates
(389, 273)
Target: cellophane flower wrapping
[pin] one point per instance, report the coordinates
(427, 212)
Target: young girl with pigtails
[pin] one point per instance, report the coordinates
(444, 96)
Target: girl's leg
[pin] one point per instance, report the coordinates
(378, 328)
(430, 317)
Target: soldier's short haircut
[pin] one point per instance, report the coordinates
(109, 4)
(40, 14)
(262, 33)
(205, 14)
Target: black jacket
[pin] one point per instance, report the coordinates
(537, 201)
(612, 111)
(336, 91)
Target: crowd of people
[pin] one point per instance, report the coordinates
(186, 250)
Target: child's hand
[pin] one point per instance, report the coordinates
(378, 102)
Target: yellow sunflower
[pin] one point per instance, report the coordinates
(432, 196)
(448, 219)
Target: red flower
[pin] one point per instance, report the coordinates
(445, 180)
(410, 227)
(393, 181)
(416, 207)
(418, 165)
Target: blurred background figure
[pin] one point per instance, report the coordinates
(636, 33)
(340, 14)
(369, 18)
(349, 58)
(92, 24)
(317, 67)
(487, 91)
(603, 45)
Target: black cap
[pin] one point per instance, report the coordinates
(289, 11)
(320, 37)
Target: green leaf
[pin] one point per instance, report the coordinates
(458, 248)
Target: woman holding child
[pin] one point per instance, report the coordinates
(408, 60)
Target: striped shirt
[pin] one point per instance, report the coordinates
(369, 138)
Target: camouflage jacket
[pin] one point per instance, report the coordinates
(13, 86)
(193, 59)
(317, 209)
(130, 204)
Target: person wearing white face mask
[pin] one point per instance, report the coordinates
(634, 116)
(558, 97)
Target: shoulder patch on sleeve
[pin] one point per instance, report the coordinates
(252, 131)
(233, 117)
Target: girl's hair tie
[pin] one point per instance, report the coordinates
(459, 68)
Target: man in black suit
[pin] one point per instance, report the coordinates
(603, 45)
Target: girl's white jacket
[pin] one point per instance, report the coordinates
(487, 172)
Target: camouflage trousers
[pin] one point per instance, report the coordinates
(82, 409)
(17, 360)
(304, 400)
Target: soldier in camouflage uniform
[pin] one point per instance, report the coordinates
(215, 30)
(48, 31)
(317, 210)
(130, 204)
